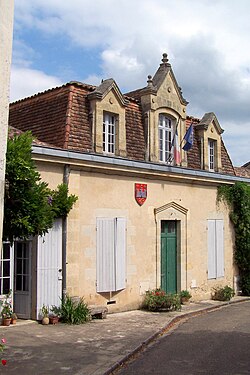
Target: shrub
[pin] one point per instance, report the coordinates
(185, 294)
(73, 312)
(245, 283)
(157, 299)
(223, 294)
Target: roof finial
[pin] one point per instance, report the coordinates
(165, 58)
(150, 81)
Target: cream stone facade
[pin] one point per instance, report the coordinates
(108, 192)
(144, 218)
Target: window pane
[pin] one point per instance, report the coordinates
(19, 267)
(6, 268)
(18, 282)
(19, 250)
(6, 251)
(25, 250)
(26, 266)
(6, 285)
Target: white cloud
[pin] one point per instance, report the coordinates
(207, 42)
(26, 82)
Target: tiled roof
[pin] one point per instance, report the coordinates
(135, 132)
(242, 172)
(13, 131)
(61, 118)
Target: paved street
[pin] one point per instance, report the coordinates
(98, 347)
(214, 343)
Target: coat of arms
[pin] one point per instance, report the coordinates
(140, 193)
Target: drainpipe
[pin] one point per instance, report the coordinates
(66, 174)
(156, 248)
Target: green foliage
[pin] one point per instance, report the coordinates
(238, 199)
(73, 312)
(6, 306)
(45, 311)
(157, 299)
(26, 209)
(223, 294)
(30, 207)
(185, 294)
(61, 201)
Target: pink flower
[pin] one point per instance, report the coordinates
(3, 340)
(4, 362)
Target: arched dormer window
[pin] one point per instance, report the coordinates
(166, 134)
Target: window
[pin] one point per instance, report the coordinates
(6, 268)
(111, 254)
(215, 249)
(22, 266)
(109, 121)
(211, 154)
(165, 139)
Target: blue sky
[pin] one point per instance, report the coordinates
(207, 42)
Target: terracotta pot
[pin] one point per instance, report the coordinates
(6, 321)
(45, 320)
(13, 321)
(185, 300)
(53, 319)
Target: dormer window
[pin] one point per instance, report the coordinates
(109, 129)
(166, 132)
(211, 154)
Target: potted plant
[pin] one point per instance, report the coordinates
(6, 311)
(13, 318)
(185, 297)
(54, 315)
(45, 314)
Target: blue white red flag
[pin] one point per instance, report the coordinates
(177, 155)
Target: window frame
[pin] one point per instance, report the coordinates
(212, 155)
(10, 259)
(109, 132)
(166, 131)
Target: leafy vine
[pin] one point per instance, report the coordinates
(237, 198)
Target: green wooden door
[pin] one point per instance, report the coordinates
(168, 256)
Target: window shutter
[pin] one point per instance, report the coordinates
(211, 250)
(219, 229)
(105, 265)
(120, 253)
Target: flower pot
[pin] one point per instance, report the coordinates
(13, 321)
(45, 320)
(185, 300)
(53, 319)
(6, 321)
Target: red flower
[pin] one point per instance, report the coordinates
(157, 293)
(4, 362)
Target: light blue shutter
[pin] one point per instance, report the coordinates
(120, 253)
(219, 230)
(211, 244)
(105, 262)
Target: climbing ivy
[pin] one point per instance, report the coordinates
(30, 206)
(237, 198)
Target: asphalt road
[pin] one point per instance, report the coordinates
(214, 343)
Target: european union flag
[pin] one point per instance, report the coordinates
(189, 138)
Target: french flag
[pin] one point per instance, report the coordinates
(177, 154)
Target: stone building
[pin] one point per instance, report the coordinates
(146, 175)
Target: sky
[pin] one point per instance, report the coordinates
(207, 42)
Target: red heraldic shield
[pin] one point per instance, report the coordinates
(140, 193)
